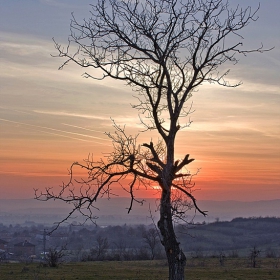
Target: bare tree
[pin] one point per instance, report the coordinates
(151, 238)
(254, 254)
(55, 256)
(98, 252)
(165, 50)
(121, 249)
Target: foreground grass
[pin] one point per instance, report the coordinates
(203, 269)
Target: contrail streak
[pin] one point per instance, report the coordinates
(82, 128)
(57, 130)
(71, 115)
(14, 110)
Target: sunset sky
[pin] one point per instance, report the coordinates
(50, 118)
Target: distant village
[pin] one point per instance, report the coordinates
(34, 242)
(27, 242)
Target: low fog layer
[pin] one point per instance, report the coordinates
(114, 211)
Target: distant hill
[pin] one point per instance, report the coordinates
(114, 211)
(238, 236)
(227, 210)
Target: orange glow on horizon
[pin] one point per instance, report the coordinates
(217, 179)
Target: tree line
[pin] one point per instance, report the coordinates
(236, 238)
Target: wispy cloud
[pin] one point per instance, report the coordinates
(23, 45)
(130, 121)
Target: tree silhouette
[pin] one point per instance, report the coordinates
(151, 238)
(164, 50)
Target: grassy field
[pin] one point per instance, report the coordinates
(142, 270)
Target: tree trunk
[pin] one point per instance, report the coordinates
(175, 257)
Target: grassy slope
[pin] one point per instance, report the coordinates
(139, 270)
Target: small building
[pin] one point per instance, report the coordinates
(3, 244)
(24, 248)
